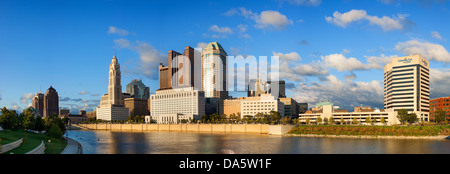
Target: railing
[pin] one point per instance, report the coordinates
(38, 150)
(10, 146)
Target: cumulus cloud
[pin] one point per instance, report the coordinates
(343, 19)
(223, 30)
(430, 51)
(386, 23)
(341, 63)
(149, 59)
(115, 30)
(343, 94)
(439, 83)
(271, 20)
(292, 56)
(25, 98)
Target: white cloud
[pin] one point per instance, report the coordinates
(386, 23)
(115, 30)
(343, 19)
(26, 97)
(223, 30)
(149, 59)
(343, 94)
(341, 63)
(272, 20)
(427, 50)
(201, 45)
(122, 43)
(436, 35)
(439, 83)
(292, 56)
(84, 92)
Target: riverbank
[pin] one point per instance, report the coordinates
(387, 132)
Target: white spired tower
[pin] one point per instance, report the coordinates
(112, 104)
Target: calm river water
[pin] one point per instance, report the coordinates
(108, 142)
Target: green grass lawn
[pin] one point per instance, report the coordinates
(372, 130)
(30, 141)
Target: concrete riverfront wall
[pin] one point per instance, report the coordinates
(212, 128)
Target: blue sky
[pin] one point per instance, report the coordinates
(329, 50)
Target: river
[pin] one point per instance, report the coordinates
(111, 142)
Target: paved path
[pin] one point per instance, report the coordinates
(73, 147)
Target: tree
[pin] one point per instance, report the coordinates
(9, 119)
(355, 121)
(368, 120)
(402, 115)
(325, 120)
(331, 121)
(308, 120)
(55, 132)
(28, 120)
(439, 115)
(319, 120)
(342, 120)
(411, 118)
(275, 116)
(382, 120)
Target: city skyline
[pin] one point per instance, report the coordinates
(328, 49)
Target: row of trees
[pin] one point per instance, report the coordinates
(273, 117)
(341, 121)
(52, 125)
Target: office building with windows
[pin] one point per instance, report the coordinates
(407, 85)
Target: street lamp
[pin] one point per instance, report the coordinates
(49, 146)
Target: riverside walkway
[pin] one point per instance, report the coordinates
(72, 147)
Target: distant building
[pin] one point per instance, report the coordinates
(250, 106)
(64, 112)
(38, 103)
(173, 105)
(256, 87)
(51, 102)
(327, 110)
(138, 90)
(112, 104)
(230, 106)
(75, 119)
(177, 74)
(302, 107)
(290, 107)
(137, 106)
(440, 103)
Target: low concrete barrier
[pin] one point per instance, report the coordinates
(10, 146)
(38, 150)
(213, 128)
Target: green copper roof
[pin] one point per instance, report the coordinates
(320, 104)
(215, 45)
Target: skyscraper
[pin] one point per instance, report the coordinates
(112, 104)
(38, 103)
(180, 71)
(137, 89)
(137, 104)
(407, 85)
(214, 71)
(51, 102)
